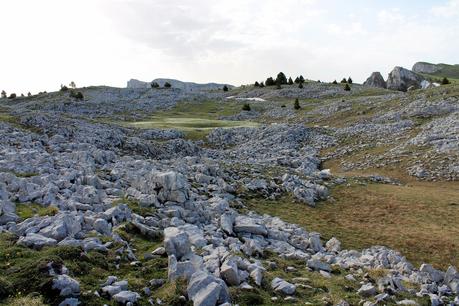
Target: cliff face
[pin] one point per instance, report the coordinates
(422, 67)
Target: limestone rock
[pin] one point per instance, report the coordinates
(126, 297)
(176, 242)
(376, 80)
(401, 79)
(36, 241)
(280, 285)
(66, 285)
(207, 290)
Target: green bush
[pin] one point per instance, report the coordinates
(3, 94)
(344, 81)
(246, 107)
(334, 82)
(12, 96)
(64, 88)
(347, 87)
(167, 85)
(225, 88)
(154, 85)
(300, 85)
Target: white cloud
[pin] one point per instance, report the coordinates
(450, 9)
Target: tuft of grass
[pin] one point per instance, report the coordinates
(170, 293)
(28, 210)
(135, 206)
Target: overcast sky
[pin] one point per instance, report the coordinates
(106, 42)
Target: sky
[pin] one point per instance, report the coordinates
(45, 43)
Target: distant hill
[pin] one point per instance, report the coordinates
(186, 86)
(437, 70)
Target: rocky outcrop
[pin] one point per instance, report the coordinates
(428, 68)
(402, 79)
(376, 80)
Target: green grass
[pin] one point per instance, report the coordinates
(363, 215)
(196, 120)
(24, 271)
(333, 289)
(28, 210)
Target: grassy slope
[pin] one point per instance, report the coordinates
(416, 219)
(195, 119)
(449, 71)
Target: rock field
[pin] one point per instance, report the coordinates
(188, 196)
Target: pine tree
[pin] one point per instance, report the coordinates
(262, 84)
(296, 105)
(445, 81)
(29, 94)
(349, 80)
(246, 107)
(290, 81)
(344, 81)
(278, 84)
(297, 80)
(3, 94)
(72, 85)
(257, 84)
(225, 88)
(301, 79)
(347, 87)
(154, 85)
(300, 85)
(270, 82)
(334, 82)
(281, 78)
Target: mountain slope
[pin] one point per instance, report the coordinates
(437, 70)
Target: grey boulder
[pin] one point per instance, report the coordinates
(207, 290)
(282, 286)
(176, 242)
(36, 241)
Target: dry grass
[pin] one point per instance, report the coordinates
(419, 220)
(25, 301)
